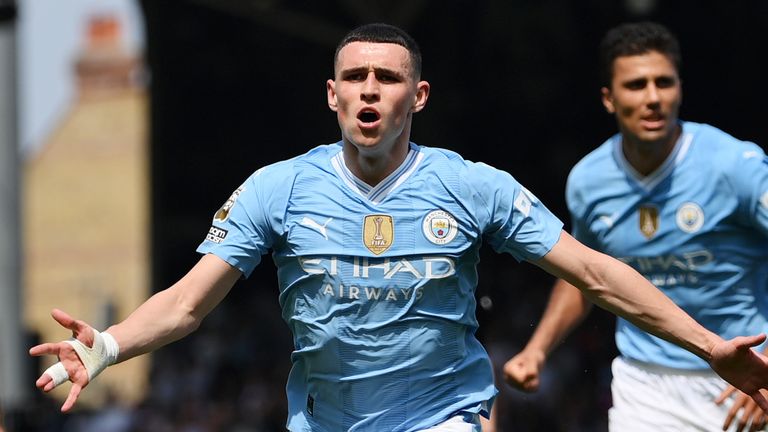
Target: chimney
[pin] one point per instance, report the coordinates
(104, 67)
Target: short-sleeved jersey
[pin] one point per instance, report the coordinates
(696, 228)
(377, 283)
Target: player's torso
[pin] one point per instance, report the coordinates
(373, 263)
(380, 294)
(682, 232)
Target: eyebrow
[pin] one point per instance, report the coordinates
(377, 69)
(644, 79)
(639, 80)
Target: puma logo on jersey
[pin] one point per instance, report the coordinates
(607, 220)
(311, 224)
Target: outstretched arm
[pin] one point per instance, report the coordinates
(165, 317)
(566, 308)
(177, 311)
(615, 286)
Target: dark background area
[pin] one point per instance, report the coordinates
(238, 84)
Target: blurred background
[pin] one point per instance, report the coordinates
(125, 124)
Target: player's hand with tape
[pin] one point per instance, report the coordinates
(81, 358)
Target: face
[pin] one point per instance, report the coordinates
(374, 94)
(645, 96)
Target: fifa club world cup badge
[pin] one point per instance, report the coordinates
(649, 220)
(440, 227)
(378, 232)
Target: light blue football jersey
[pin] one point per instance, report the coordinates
(377, 283)
(696, 228)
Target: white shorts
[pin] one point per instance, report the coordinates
(461, 423)
(655, 398)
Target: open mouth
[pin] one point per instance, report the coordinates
(653, 122)
(368, 116)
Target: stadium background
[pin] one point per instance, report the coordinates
(239, 84)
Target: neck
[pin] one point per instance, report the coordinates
(372, 167)
(647, 156)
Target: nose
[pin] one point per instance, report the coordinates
(652, 94)
(370, 89)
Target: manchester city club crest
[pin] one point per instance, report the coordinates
(689, 217)
(440, 227)
(378, 232)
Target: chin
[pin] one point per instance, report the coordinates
(365, 143)
(653, 138)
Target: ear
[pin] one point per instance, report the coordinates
(607, 98)
(330, 87)
(422, 94)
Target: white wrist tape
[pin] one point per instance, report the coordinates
(95, 359)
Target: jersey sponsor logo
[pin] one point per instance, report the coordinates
(689, 217)
(223, 213)
(371, 279)
(672, 270)
(649, 220)
(378, 232)
(431, 267)
(311, 224)
(688, 261)
(440, 227)
(355, 292)
(216, 235)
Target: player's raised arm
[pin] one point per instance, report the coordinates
(615, 286)
(165, 317)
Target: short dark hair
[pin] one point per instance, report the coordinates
(635, 39)
(383, 33)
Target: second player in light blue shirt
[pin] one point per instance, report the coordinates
(692, 228)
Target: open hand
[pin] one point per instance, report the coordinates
(751, 414)
(66, 354)
(736, 362)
